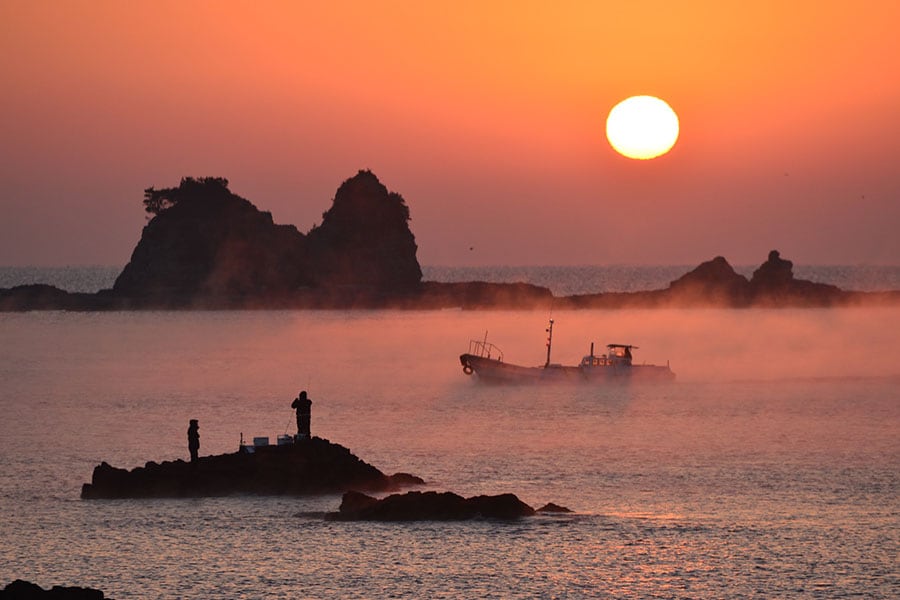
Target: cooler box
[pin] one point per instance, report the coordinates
(261, 441)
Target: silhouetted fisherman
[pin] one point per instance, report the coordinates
(304, 414)
(194, 440)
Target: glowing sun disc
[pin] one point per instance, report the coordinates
(642, 127)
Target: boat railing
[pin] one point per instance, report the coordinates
(485, 350)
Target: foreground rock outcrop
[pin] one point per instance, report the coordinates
(428, 506)
(313, 466)
(25, 590)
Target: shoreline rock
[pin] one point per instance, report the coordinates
(314, 466)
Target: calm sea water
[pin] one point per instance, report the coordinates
(770, 468)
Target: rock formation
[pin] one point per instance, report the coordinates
(428, 506)
(312, 466)
(206, 242)
(208, 246)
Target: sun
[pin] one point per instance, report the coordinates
(642, 127)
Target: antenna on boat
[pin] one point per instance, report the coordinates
(549, 341)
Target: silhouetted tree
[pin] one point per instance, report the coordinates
(156, 201)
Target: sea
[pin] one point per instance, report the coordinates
(770, 468)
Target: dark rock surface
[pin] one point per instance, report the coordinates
(312, 466)
(428, 506)
(25, 590)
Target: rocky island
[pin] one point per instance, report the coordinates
(207, 248)
(434, 506)
(312, 466)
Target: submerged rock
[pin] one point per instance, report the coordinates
(314, 466)
(428, 506)
(550, 507)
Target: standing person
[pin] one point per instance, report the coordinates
(194, 440)
(303, 405)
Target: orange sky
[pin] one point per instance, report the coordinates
(489, 120)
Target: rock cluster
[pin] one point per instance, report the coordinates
(313, 466)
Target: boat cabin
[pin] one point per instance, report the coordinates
(616, 355)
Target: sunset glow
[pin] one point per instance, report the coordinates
(496, 110)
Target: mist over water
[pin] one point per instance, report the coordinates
(770, 467)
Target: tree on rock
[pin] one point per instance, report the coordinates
(156, 201)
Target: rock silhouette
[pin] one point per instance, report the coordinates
(314, 466)
(206, 244)
(428, 506)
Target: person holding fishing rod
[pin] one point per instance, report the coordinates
(303, 405)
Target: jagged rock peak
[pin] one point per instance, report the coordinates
(362, 198)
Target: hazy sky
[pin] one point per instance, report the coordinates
(487, 117)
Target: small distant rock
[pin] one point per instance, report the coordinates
(550, 507)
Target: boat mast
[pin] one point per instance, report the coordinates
(549, 342)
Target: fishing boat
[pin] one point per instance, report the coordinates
(485, 360)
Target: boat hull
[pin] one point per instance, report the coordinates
(491, 370)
